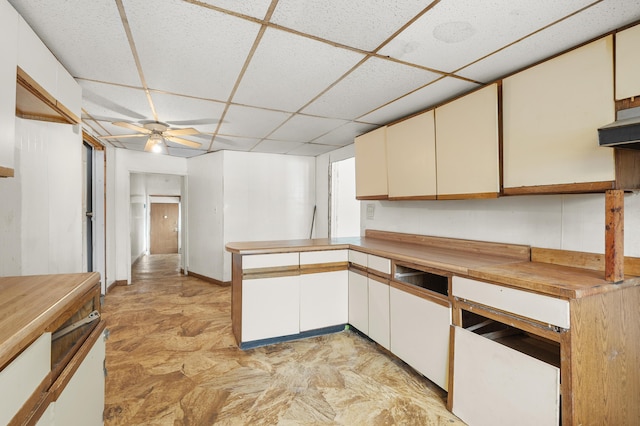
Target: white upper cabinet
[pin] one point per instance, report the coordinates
(35, 59)
(9, 54)
(551, 115)
(628, 63)
(411, 158)
(467, 140)
(371, 165)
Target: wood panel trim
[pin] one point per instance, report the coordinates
(614, 236)
(34, 406)
(86, 137)
(473, 196)
(413, 197)
(378, 278)
(209, 279)
(525, 324)
(68, 372)
(563, 188)
(236, 296)
(628, 103)
(285, 271)
(356, 269)
(316, 268)
(74, 306)
(515, 251)
(372, 197)
(627, 168)
(452, 349)
(120, 282)
(6, 172)
(422, 293)
(566, 360)
(34, 102)
(578, 259)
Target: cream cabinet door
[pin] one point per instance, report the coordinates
(359, 302)
(468, 145)
(419, 332)
(371, 165)
(551, 115)
(9, 54)
(324, 299)
(379, 312)
(411, 157)
(628, 63)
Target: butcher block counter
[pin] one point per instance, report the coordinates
(515, 334)
(51, 346)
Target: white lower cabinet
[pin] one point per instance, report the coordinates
(359, 302)
(496, 385)
(82, 400)
(379, 311)
(324, 299)
(420, 334)
(270, 307)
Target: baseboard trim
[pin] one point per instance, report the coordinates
(209, 279)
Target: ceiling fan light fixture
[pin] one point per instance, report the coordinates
(156, 144)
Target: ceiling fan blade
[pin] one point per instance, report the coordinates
(131, 126)
(185, 142)
(137, 135)
(194, 122)
(181, 132)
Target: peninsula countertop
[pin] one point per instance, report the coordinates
(504, 264)
(29, 305)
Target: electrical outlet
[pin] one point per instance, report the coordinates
(371, 211)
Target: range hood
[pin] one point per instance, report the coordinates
(622, 133)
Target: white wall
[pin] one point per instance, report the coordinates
(205, 206)
(41, 209)
(124, 163)
(568, 222)
(241, 196)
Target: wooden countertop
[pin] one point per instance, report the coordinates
(29, 304)
(505, 264)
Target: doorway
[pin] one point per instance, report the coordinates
(164, 228)
(344, 219)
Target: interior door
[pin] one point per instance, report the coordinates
(164, 228)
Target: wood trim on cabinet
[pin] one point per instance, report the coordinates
(579, 259)
(378, 278)
(452, 349)
(357, 269)
(614, 236)
(515, 251)
(627, 168)
(413, 197)
(35, 103)
(236, 296)
(474, 196)
(563, 188)
(34, 406)
(75, 306)
(6, 172)
(316, 268)
(525, 324)
(566, 359)
(628, 103)
(372, 197)
(422, 293)
(274, 271)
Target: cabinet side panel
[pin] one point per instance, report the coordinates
(605, 358)
(371, 164)
(627, 63)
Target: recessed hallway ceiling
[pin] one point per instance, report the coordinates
(291, 76)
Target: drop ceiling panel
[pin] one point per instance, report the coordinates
(457, 32)
(288, 78)
(251, 122)
(255, 8)
(344, 135)
(363, 24)
(275, 147)
(86, 36)
(182, 111)
(433, 94)
(304, 128)
(371, 85)
(234, 144)
(183, 152)
(107, 102)
(180, 46)
(311, 149)
(597, 20)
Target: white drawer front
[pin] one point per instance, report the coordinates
(379, 264)
(542, 308)
(255, 261)
(324, 256)
(496, 385)
(358, 257)
(23, 375)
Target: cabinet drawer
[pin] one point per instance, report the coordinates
(324, 256)
(22, 377)
(496, 385)
(358, 258)
(542, 308)
(256, 261)
(379, 264)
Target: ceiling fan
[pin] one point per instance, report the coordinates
(156, 132)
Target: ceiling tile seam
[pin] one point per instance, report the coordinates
(245, 66)
(549, 25)
(97, 123)
(134, 52)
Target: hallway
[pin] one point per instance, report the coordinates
(172, 360)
